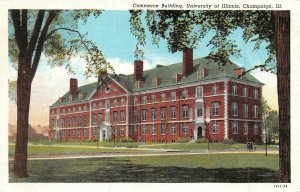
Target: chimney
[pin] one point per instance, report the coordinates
(187, 62)
(239, 71)
(73, 86)
(138, 70)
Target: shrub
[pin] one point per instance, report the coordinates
(129, 140)
(132, 145)
(228, 141)
(201, 140)
(183, 140)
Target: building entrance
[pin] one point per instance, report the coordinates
(199, 132)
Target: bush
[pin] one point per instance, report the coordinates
(132, 145)
(228, 141)
(201, 140)
(183, 140)
(129, 140)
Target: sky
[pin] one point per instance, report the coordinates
(111, 32)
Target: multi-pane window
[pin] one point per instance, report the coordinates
(68, 121)
(115, 116)
(215, 127)
(234, 127)
(153, 130)
(234, 89)
(94, 132)
(185, 109)
(135, 100)
(63, 122)
(184, 94)
(144, 129)
(135, 129)
(107, 103)
(135, 115)
(245, 128)
(163, 97)
(94, 119)
(122, 116)
(255, 111)
(245, 110)
(184, 128)
(153, 114)
(215, 108)
(245, 91)
(255, 129)
(85, 131)
(94, 106)
(107, 117)
(173, 129)
(214, 90)
(100, 117)
(162, 113)
(144, 114)
(79, 132)
(255, 93)
(163, 129)
(122, 130)
(173, 112)
(234, 108)
(100, 104)
(173, 96)
(199, 109)
(199, 92)
(85, 120)
(153, 98)
(79, 121)
(122, 101)
(115, 103)
(144, 99)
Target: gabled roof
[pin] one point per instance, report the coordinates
(165, 73)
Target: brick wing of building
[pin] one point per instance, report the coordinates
(192, 99)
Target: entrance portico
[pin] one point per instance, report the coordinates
(105, 132)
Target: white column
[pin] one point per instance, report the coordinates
(226, 109)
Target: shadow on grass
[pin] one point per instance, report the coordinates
(113, 170)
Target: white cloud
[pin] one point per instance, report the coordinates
(125, 67)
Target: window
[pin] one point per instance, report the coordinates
(163, 97)
(122, 116)
(63, 122)
(85, 131)
(234, 108)
(94, 106)
(245, 110)
(199, 92)
(135, 100)
(185, 109)
(214, 90)
(144, 99)
(74, 121)
(234, 127)
(184, 129)
(100, 104)
(173, 129)
(153, 114)
(115, 131)
(199, 109)
(245, 128)
(245, 92)
(144, 114)
(153, 130)
(135, 115)
(85, 108)
(107, 102)
(79, 121)
(153, 98)
(215, 127)
(122, 101)
(173, 112)
(162, 113)
(94, 132)
(107, 117)
(79, 132)
(215, 108)
(255, 111)
(255, 93)
(234, 89)
(255, 129)
(184, 94)
(94, 120)
(135, 129)
(115, 116)
(174, 78)
(122, 130)
(100, 117)
(173, 96)
(144, 130)
(68, 121)
(115, 102)
(163, 129)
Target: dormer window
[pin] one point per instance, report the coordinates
(176, 77)
(70, 97)
(138, 84)
(81, 95)
(202, 72)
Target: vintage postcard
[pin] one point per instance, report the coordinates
(166, 95)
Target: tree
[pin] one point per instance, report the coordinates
(55, 34)
(186, 29)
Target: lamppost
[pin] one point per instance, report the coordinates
(207, 121)
(113, 126)
(164, 124)
(265, 116)
(99, 124)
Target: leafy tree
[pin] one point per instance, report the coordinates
(185, 29)
(55, 34)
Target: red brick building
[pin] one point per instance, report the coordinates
(192, 99)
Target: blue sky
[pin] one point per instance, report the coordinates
(111, 32)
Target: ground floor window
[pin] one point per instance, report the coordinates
(173, 129)
(122, 131)
(184, 128)
(215, 127)
(234, 127)
(163, 129)
(144, 130)
(153, 130)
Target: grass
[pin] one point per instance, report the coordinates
(44, 149)
(242, 168)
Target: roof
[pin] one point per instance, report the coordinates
(166, 72)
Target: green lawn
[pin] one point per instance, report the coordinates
(243, 168)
